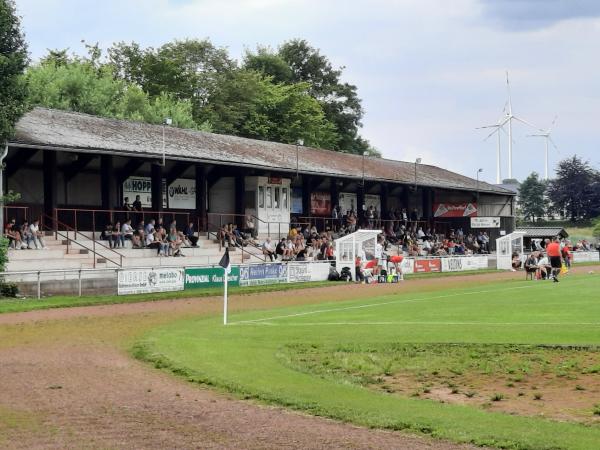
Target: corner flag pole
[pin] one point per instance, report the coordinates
(226, 265)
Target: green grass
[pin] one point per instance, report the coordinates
(10, 305)
(251, 357)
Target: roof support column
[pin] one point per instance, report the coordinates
(385, 195)
(333, 192)
(50, 184)
(157, 197)
(306, 191)
(108, 182)
(360, 203)
(240, 207)
(201, 196)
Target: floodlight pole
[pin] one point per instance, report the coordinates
(478, 172)
(299, 142)
(166, 121)
(417, 161)
(2, 156)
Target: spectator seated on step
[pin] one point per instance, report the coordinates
(12, 233)
(268, 250)
(175, 243)
(190, 234)
(250, 227)
(149, 228)
(127, 230)
(26, 234)
(516, 262)
(162, 245)
(280, 250)
(117, 239)
(359, 273)
(37, 236)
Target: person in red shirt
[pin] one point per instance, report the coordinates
(554, 254)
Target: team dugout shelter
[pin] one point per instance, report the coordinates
(75, 170)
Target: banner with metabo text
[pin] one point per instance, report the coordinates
(209, 277)
(143, 281)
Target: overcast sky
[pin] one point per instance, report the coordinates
(428, 71)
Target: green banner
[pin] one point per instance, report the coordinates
(210, 277)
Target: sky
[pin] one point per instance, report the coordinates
(429, 72)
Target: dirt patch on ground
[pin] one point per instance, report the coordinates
(67, 382)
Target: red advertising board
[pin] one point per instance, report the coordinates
(455, 209)
(320, 204)
(428, 265)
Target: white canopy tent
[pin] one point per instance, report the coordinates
(360, 243)
(506, 246)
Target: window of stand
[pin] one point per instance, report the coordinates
(276, 203)
(261, 197)
(269, 197)
(284, 198)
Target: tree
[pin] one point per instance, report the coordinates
(13, 60)
(85, 85)
(189, 70)
(576, 190)
(250, 105)
(339, 100)
(531, 197)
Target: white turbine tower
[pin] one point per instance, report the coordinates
(497, 128)
(508, 119)
(546, 135)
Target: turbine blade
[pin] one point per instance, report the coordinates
(527, 123)
(491, 134)
(552, 142)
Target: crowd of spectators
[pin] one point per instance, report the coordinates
(27, 236)
(166, 240)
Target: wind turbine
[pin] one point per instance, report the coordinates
(546, 135)
(509, 119)
(497, 127)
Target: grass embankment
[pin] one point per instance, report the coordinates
(8, 305)
(252, 356)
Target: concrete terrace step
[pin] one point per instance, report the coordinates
(20, 255)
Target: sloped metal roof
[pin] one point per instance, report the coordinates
(63, 130)
(543, 232)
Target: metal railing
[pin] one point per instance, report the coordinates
(70, 240)
(95, 219)
(19, 213)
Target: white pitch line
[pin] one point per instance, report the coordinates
(370, 305)
(313, 324)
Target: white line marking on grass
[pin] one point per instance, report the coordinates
(312, 324)
(371, 305)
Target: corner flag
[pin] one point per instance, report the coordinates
(225, 263)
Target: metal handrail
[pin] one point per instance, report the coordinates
(93, 249)
(208, 233)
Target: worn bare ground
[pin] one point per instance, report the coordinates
(67, 381)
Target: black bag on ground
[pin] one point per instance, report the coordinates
(333, 274)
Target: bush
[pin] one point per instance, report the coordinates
(6, 289)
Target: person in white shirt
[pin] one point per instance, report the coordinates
(544, 265)
(37, 235)
(127, 230)
(268, 249)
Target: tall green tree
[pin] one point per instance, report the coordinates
(250, 105)
(532, 198)
(339, 100)
(13, 60)
(575, 192)
(188, 70)
(85, 85)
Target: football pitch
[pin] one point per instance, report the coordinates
(511, 365)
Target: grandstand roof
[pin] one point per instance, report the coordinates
(543, 232)
(69, 131)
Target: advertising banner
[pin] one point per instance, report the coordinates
(454, 209)
(296, 201)
(485, 222)
(209, 277)
(143, 281)
(374, 201)
(347, 202)
(298, 272)
(428, 265)
(142, 186)
(257, 274)
(182, 194)
(320, 204)
(462, 263)
(585, 256)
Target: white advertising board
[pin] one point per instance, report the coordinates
(485, 222)
(298, 272)
(143, 281)
(142, 186)
(407, 265)
(347, 202)
(182, 194)
(585, 256)
(462, 263)
(374, 201)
